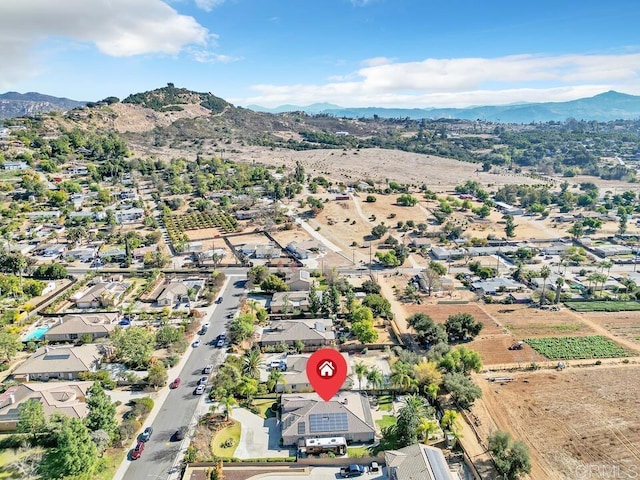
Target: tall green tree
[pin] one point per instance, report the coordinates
(427, 330)
(102, 412)
(10, 344)
(31, 418)
(512, 458)
(314, 300)
(157, 376)
(545, 272)
(509, 226)
(462, 327)
(133, 345)
(74, 453)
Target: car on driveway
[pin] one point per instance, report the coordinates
(199, 389)
(137, 451)
(146, 434)
(196, 344)
(175, 383)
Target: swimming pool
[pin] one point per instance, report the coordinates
(36, 334)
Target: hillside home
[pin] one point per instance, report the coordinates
(131, 215)
(15, 166)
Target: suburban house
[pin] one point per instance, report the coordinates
(77, 170)
(440, 253)
(306, 415)
(508, 209)
(267, 251)
(82, 254)
(289, 302)
(496, 285)
(51, 250)
(67, 398)
(44, 214)
(140, 252)
(173, 292)
(295, 375)
(247, 214)
(130, 215)
(15, 166)
(102, 294)
(298, 280)
(304, 250)
(73, 326)
(63, 362)
(418, 461)
(313, 332)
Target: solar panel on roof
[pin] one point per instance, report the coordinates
(328, 422)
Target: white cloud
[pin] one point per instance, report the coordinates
(208, 5)
(118, 28)
(463, 82)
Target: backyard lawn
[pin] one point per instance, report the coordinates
(385, 403)
(264, 407)
(386, 421)
(233, 433)
(357, 452)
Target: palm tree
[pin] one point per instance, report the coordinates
(248, 387)
(431, 391)
(275, 376)
(544, 273)
(559, 283)
(451, 421)
(361, 372)
(375, 379)
(426, 428)
(401, 377)
(250, 363)
(227, 403)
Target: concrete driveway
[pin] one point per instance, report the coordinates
(259, 437)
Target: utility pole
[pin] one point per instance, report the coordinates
(369, 258)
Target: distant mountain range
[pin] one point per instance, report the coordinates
(14, 104)
(603, 107)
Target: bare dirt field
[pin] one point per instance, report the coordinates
(524, 322)
(624, 325)
(378, 165)
(580, 423)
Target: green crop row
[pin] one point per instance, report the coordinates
(568, 348)
(605, 306)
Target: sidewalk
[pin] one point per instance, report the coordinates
(161, 395)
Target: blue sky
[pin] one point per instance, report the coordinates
(393, 53)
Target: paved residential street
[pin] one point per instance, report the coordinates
(176, 408)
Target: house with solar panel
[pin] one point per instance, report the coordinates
(64, 362)
(346, 416)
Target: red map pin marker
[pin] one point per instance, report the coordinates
(326, 371)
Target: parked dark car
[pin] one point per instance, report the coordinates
(180, 434)
(146, 434)
(219, 300)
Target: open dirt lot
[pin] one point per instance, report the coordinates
(378, 165)
(624, 325)
(525, 322)
(580, 423)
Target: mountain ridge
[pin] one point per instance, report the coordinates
(603, 107)
(15, 104)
